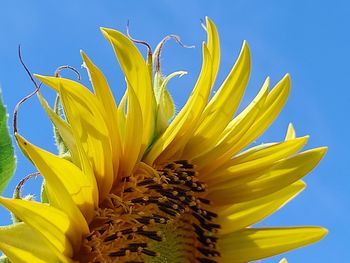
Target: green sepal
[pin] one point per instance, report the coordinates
(7, 153)
(43, 193)
(165, 104)
(4, 259)
(61, 146)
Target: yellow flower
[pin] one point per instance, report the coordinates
(137, 187)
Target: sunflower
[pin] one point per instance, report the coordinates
(135, 182)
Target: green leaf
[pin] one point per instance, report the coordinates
(7, 155)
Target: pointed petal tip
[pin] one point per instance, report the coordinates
(245, 49)
(267, 82)
(302, 185)
(21, 141)
(287, 78)
(208, 20)
(103, 29)
(316, 233)
(84, 56)
(304, 138)
(106, 32)
(6, 202)
(41, 77)
(245, 44)
(37, 75)
(324, 231)
(322, 150)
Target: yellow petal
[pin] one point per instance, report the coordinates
(254, 244)
(290, 132)
(272, 107)
(122, 116)
(50, 223)
(179, 131)
(256, 185)
(213, 47)
(218, 113)
(85, 115)
(255, 160)
(63, 128)
(137, 75)
(22, 244)
(283, 260)
(77, 152)
(244, 214)
(132, 147)
(232, 134)
(68, 187)
(105, 96)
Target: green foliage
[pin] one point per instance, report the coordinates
(7, 155)
(4, 259)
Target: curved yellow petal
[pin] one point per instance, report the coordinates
(137, 75)
(18, 255)
(291, 134)
(219, 111)
(256, 160)
(132, 146)
(244, 214)
(75, 147)
(122, 116)
(20, 243)
(63, 128)
(252, 244)
(105, 96)
(85, 115)
(52, 224)
(235, 130)
(271, 152)
(272, 107)
(68, 187)
(213, 47)
(283, 260)
(282, 174)
(181, 128)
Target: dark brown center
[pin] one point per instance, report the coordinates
(154, 216)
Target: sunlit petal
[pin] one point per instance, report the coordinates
(248, 213)
(21, 243)
(253, 244)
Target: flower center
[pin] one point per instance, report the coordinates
(154, 216)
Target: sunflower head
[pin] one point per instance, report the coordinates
(135, 182)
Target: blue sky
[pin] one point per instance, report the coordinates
(308, 39)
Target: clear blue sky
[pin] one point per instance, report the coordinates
(308, 39)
